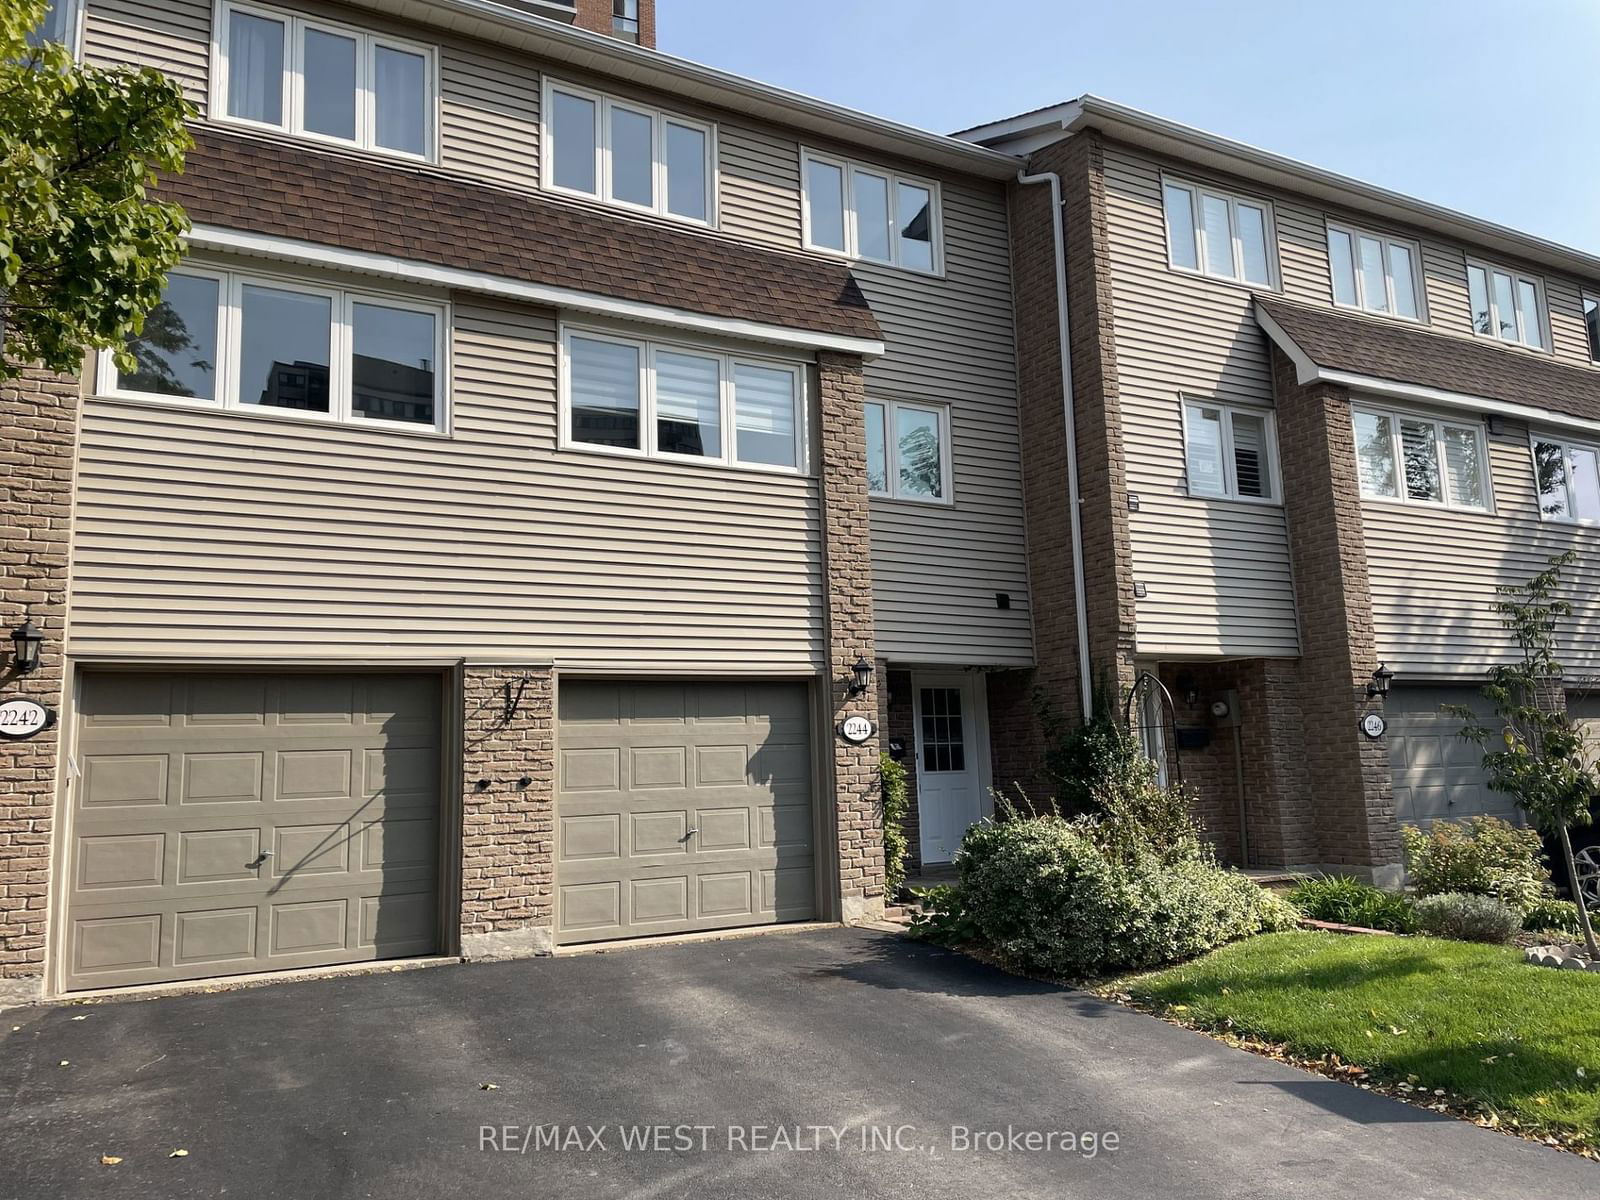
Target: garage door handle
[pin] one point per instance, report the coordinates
(261, 858)
(689, 835)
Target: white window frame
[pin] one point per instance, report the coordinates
(1568, 445)
(891, 451)
(1397, 448)
(1587, 298)
(1540, 300)
(603, 175)
(1355, 234)
(727, 364)
(848, 169)
(1197, 219)
(75, 10)
(341, 347)
(1230, 468)
(367, 43)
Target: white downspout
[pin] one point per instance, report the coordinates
(1068, 412)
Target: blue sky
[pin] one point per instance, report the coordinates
(1491, 108)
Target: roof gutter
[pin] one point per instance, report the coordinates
(1069, 417)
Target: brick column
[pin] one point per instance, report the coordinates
(847, 557)
(507, 828)
(41, 424)
(1349, 781)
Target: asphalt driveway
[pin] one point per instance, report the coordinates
(835, 1063)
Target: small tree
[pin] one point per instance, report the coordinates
(84, 249)
(1545, 765)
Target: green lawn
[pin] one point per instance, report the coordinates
(1474, 1020)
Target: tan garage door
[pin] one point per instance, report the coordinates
(682, 806)
(228, 823)
(1438, 774)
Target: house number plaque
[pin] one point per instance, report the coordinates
(23, 718)
(856, 730)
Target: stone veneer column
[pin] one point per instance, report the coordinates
(41, 427)
(847, 582)
(507, 829)
(1348, 777)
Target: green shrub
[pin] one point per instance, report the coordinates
(1084, 762)
(895, 807)
(1348, 901)
(1557, 916)
(1044, 895)
(1467, 918)
(942, 917)
(1481, 856)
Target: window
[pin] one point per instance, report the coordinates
(246, 342)
(1230, 452)
(908, 455)
(325, 81)
(1213, 233)
(625, 19)
(1420, 460)
(60, 24)
(1591, 324)
(944, 740)
(1374, 273)
(1568, 478)
(862, 212)
(1506, 305)
(628, 154)
(627, 396)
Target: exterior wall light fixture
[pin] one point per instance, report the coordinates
(27, 640)
(861, 676)
(1381, 679)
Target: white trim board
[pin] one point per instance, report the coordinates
(212, 237)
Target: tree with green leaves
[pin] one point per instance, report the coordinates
(84, 247)
(1546, 765)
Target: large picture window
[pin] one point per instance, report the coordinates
(325, 81)
(1230, 453)
(908, 451)
(624, 395)
(1416, 459)
(1212, 232)
(865, 213)
(241, 341)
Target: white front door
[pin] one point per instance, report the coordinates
(951, 774)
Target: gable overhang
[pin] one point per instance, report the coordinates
(414, 271)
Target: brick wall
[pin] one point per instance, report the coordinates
(508, 828)
(41, 422)
(597, 17)
(847, 553)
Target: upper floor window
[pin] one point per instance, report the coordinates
(628, 396)
(60, 24)
(1506, 305)
(628, 154)
(1374, 273)
(1421, 460)
(1568, 477)
(863, 212)
(1217, 234)
(625, 19)
(908, 451)
(1230, 452)
(241, 341)
(1591, 325)
(325, 81)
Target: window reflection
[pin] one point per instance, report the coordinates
(176, 351)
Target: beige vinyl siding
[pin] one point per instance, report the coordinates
(205, 533)
(1434, 572)
(759, 186)
(1217, 572)
(172, 35)
(936, 569)
(488, 116)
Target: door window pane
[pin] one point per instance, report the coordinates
(877, 450)
(825, 203)
(1403, 278)
(944, 743)
(1528, 315)
(1179, 204)
(918, 452)
(392, 364)
(1585, 484)
(1464, 467)
(1251, 469)
(1375, 455)
(176, 351)
(1203, 450)
(330, 84)
(1253, 242)
(1421, 455)
(604, 383)
(914, 206)
(1344, 272)
(870, 194)
(1218, 238)
(686, 172)
(400, 99)
(688, 404)
(632, 157)
(284, 348)
(1505, 307)
(572, 126)
(1478, 295)
(1374, 292)
(255, 68)
(764, 416)
(1550, 470)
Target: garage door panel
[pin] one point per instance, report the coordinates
(1438, 775)
(172, 840)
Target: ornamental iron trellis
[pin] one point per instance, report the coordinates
(1157, 723)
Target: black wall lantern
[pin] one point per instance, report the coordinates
(27, 641)
(861, 676)
(1381, 679)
